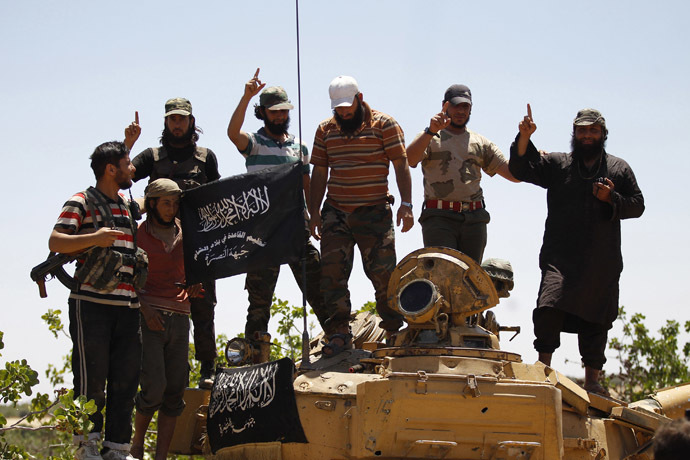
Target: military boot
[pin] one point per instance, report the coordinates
(207, 374)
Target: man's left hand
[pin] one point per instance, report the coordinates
(405, 217)
(602, 191)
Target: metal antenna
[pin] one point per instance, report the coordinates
(305, 332)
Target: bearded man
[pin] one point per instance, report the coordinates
(357, 145)
(180, 159)
(588, 193)
(272, 145)
(453, 157)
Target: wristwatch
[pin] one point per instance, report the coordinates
(430, 132)
(405, 203)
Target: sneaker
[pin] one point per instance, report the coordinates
(206, 375)
(116, 454)
(88, 450)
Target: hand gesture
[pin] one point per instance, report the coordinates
(105, 237)
(602, 191)
(441, 120)
(527, 126)
(253, 86)
(132, 132)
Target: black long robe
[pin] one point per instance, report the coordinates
(580, 257)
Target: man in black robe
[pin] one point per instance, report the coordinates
(588, 193)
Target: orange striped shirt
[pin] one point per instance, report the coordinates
(359, 163)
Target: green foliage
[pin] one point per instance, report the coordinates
(59, 416)
(290, 328)
(54, 322)
(648, 363)
(369, 307)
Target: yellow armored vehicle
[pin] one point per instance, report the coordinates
(442, 388)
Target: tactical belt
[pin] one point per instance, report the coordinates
(457, 206)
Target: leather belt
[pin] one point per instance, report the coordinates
(457, 206)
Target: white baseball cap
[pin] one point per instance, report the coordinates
(342, 91)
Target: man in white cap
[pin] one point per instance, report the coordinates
(356, 146)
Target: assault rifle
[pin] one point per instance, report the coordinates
(53, 267)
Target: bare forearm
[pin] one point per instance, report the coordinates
(235, 133)
(317, 188)
(415, 151)
(66, 243)
(402, 177)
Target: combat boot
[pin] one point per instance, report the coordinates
(207, 375)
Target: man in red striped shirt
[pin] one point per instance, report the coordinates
(356, 146)
(104, 323)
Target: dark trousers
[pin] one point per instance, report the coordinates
(106, 359)
(203, 314)
(464, 231)
(549, 322)
(261, 284)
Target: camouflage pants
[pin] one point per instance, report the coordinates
(371, 229)
(261, 284)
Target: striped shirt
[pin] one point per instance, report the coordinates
(359, 163)
(263, 151)
(76, 217)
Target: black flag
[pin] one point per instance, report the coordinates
(242, 223)
(254, 404)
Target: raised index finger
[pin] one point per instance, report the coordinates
(256, 74)
(529, 112)
(136, 117)
(445, 107)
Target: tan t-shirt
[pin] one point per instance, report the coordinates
(453, 164)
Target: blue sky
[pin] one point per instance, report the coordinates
(75, 72)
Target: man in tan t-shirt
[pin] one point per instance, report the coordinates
(454, 213)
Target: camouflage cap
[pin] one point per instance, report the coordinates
(275, 98)
(499, 269)
(178, 106)
(162, 187)
(586, 117)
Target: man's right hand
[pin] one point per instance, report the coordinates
(132, 132)
(440, 121)
(253, 86)
(105, 237)
(315, 225)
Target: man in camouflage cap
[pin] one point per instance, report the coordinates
(453, 157)
(272, 145)
(180, 159)
(588, 193)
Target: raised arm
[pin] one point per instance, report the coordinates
(235, 133)
(527, 127)
(132, 132)
(415, 151)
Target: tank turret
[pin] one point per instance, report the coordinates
(442, 387)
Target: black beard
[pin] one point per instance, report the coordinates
(277, 129)
(159, 220)
(462, 125)
(353, 124)
(587, 152)
(170, 139)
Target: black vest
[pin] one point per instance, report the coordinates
(188, 174)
